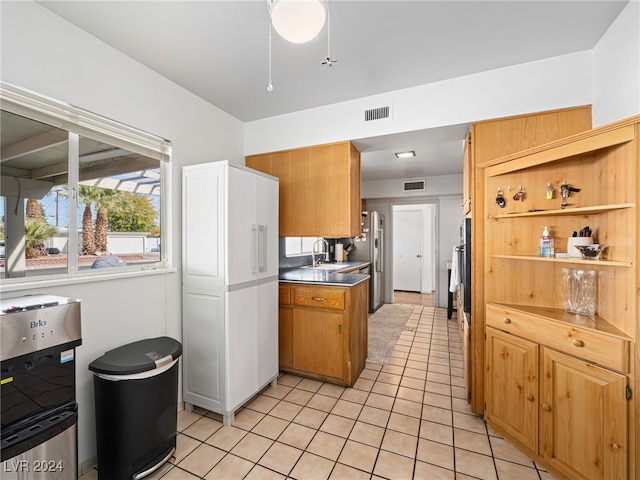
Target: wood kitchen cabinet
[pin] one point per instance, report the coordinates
(319, 189)
(563, 386)
(323, 331)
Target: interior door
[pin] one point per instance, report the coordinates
(407, 250)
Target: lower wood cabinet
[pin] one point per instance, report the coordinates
(323, 331)
(567, 411)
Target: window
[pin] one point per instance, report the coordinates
(80, 193)
(299, 246)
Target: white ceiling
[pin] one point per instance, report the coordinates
(219, 51)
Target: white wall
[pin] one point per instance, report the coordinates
(48, 55)
(616, 68)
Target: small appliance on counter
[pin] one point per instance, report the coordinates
(39, 334)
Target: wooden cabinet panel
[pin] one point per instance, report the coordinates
(512, 385)
(324, 297)
(583, 419)
(284, 294)
(318, 345)
(319, 189)
(602, 349)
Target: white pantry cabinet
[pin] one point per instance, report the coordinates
(230, 285)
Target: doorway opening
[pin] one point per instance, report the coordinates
(414, 253)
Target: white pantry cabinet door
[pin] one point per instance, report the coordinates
(267, 318)
(203, 204)
(242, 233)
(268, 195)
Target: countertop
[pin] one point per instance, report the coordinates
(327, 274)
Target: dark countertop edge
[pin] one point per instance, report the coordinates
(329, 282)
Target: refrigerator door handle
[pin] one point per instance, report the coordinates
(380, 266)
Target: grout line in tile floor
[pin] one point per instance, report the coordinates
(406, 419)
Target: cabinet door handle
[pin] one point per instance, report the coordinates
(530, 397)
(318, 299)
(614, 446)
(578, 343)
(507, 320)
(546, 407)
(340, 329)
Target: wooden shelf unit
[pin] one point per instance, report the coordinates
(544, 366)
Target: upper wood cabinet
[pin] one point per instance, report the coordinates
(319, 189)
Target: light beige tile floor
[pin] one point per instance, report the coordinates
(407, 419)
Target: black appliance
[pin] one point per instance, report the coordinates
(464, 266)
(39, 334)
(136, 394)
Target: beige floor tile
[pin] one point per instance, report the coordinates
(312, 467)
(301, 397)
(405, 407)
(437, 400)
(415, 373)
(504, 450)
(226, 438)
(310, 417)
(400, 443)
(432, 472)
(474, 464)
(322, 402)
(279, 391)
(410, 382)
(297, 436)
(513, 470)
(404, 424)
(389, 378)
(92, 474)
(436, 432)
(247, 418)
(410, 394)
(396, 361)
(393, 369)
(392, 465)
(230, 467)
(270, 427)
(374, 416)
(343, 472)
(309, 385)
(438, 415)
(286, 410)
(332, 390)
(347, 409)
(363, 384)
(358, 455)
(326, 445)
(370, 373)
(184, 446)
(435, 453)
(201, 460)
(355, 396)
(474, 442)
(439, 377)
(380, 401)
(289, 380)
(336, 425)
(460, 404)
(252, 447)
(439, 388)
(187, 418)
(179, 474)
(258, 472)
(202, 428)
(382, 388)
(367, 434)
(263, 403)
(417, 362)
(472, 423)
(281, 458)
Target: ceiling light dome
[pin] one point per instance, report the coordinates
(297, 21)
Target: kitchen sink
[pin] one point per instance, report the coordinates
(325, 266)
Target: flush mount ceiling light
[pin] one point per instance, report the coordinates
(297, 21)
(407, 154)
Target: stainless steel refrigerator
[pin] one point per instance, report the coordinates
(369, 247)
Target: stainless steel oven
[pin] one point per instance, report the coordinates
(39, 334)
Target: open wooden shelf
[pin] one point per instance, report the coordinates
(567, 211)
(594, 263)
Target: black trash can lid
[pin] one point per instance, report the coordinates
(137, 357)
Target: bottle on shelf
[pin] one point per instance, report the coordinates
(546, 244)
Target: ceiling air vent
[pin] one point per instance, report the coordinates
(376, 113)
(413, 186)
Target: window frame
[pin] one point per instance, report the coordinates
(78, 122)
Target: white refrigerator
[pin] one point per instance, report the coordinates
(230, 285)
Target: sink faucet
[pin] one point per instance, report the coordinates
(315, 262)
